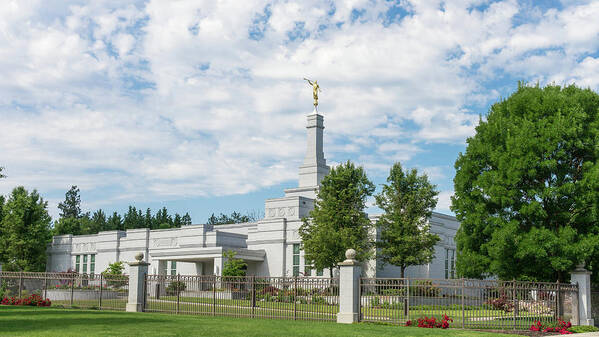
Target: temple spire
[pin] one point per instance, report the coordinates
(314, 167)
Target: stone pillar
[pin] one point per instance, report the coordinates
(137, 282)
(349, 289)
(582, 277)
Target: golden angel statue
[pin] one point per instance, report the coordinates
(315, 90)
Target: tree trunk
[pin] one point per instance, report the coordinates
(403, 272)
(331, 272)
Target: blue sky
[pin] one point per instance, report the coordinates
(200, 106)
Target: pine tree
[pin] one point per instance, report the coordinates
(99, 221)
(186, 219)
(177, 222)
(115, 222)
(71, 207)
(148, 219)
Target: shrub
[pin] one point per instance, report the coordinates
(233, 266)
(375, 302)
(562, 327)
(270, 290)
(501, 303)
(114, 275)
(318, 300)
(432, 322)
(393, 292)
(32, 300)
(424, 288)
(176, 287)
(583, 328)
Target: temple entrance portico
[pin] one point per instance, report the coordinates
(202, 261)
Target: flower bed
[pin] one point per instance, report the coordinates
(561, 327)
(32, 300)
(432, 322)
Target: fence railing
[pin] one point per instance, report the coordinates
(299, 298)
(68, 289)
(470, 303)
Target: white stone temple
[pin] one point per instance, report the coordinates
(270, 246)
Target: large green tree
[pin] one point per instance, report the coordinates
(24, 231)
(527, 186)
(407, 201)
(338, 221)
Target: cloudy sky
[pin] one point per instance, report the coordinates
(200, 105)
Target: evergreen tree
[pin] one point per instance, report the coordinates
(71, 207)
(67, 226)
(86, 224)
(162, 219)
(235, 217)
(25, 231)
(527, 187)
(99, 221)
(70, 214)
(133, 219)
(148, 219)
(408, 201)
(115, 222)
(177, 222)
(186, 219)
(338, 221)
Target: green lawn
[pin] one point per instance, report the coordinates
(481, 318)
(30, 321)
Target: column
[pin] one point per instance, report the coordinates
(583, 277)
(162, 267)
(218, 266)
(137, 281)
(199, 268)
(349, 285)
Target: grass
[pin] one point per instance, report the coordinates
(480, 319)
(31, 321)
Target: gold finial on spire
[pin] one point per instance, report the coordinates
(315, 90)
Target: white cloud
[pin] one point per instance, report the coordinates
(444, 201)
(164, 99)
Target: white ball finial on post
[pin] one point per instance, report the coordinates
(350, 254)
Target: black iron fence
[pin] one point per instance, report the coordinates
(72, 290)
(468, 303)
(298, 298)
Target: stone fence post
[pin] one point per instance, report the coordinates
(137, 279)
(349, 289)
(582, 277)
